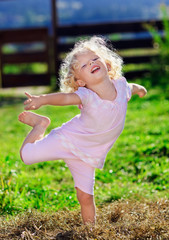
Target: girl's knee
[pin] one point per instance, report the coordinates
(84, 198)
(25, 155)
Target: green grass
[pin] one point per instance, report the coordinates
(25, 68)
(136, 167)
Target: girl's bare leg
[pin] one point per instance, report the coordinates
(39, 124)
(87, 206)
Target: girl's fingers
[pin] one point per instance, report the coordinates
(30, 107)
(27, 101)
(28, 95)
(26, 108)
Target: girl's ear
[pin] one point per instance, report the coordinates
(81, 83)
(108, 67)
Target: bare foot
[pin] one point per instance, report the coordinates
(33, 119)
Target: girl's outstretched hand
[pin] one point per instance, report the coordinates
(33, 102)
(142, 92)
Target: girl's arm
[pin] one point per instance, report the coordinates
(59, 99)
(137, 89)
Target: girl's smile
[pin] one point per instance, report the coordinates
(95, 68)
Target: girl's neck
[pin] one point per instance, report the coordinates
(105, 90)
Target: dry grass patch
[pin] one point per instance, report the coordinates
(124, 219)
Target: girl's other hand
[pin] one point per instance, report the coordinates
(142, 92)
(33, 102)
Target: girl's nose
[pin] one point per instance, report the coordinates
(91, 62)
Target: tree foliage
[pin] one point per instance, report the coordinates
(160, 65)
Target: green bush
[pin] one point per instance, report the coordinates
(160, 65)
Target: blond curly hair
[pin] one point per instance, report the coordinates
(98, 45)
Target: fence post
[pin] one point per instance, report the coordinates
(55, 41)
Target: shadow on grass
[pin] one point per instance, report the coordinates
(64, 236)
(9, 100)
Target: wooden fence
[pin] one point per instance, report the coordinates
(134, 28)
(23, 36)
(52, 55)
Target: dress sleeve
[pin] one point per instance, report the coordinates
(128, 89)
(83, 93)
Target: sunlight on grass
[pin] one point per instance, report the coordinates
(138, 52)
(25, 68)
(132, 67)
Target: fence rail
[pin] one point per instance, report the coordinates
(121, 28)
(120, 44)
(48, 54)
(22, 36)
(106, 28)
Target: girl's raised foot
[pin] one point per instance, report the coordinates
(33, 119)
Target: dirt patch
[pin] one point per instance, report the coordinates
(124, 219)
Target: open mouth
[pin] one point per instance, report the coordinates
(95, 69)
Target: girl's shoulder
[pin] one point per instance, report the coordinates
(121, 82)
(123, 86)
(83, 91)
(85, 95)
(121, 79)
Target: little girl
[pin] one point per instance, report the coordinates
(91, 78)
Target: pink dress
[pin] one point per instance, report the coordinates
(91, 134)
(84, 141)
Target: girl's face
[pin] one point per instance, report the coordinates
(91, 69)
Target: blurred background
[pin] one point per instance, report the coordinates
(35, 35)
(30, 13)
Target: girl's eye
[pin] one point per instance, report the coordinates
(83, 65)
(95, 59)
